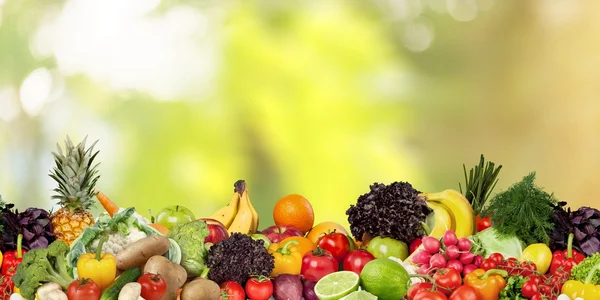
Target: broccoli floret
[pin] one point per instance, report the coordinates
(190, 238)
(41, 266)
(580, 272)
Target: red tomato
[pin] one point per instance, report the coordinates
(529, 289)
(488, 264)
(497, 258)
(317, 264)
(417, 288)
(430, 295)
(537, 296)
(83, 289)
(231, 290)
(259, 288)
(356, 260)
(528, 268)
(336, 243)
(483, 223)
(464, 292)
(448, 280)
(154, 286)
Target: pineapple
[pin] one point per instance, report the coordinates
(76, 178)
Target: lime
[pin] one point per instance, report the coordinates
(385, 278)
(360, 295)
(336, 285)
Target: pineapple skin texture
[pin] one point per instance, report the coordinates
(67, 225)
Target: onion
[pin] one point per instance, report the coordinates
(287, 287)
(309, 290)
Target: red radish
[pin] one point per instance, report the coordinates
(468, 269)
(464, 244)
(477, 260)
(449, 238)
(424, 269)
(421, 257)
(455, 264)
(452, 252)
(414, 245)
(437, 261)
(466, 258)
(431, 244)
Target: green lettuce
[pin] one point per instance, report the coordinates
(489, 241)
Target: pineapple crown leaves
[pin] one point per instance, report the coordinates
(75, 174)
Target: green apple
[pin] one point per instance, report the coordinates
(173, 215)
(382, 247)
(258, 236)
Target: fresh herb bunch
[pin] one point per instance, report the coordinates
(512, 290)
(479, 183)
(584, 223)
(33, 223)
(581, 271)
(524, 211)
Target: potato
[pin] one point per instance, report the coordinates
(138, 252)
(200, 289)
(174, 274)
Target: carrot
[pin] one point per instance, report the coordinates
(108, 205)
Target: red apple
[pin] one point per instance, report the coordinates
(278, 233)
(216, 229)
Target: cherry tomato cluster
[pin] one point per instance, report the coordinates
(257, 288)
(510, 265)
(446, 284)
(547, 285)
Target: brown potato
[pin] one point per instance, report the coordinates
(174, 274)
(200, 289)
(138, 252)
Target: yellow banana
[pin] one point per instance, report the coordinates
(443, 220)
(226, 214)
(244, 220)
(254, 217)
(458, 206)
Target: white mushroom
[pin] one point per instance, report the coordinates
(45, 290)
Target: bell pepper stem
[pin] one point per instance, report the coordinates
(591, 274)
(426, 228)
(285, 249)
(570, 245)
(491, 272)
(100, 244)
(20, 246)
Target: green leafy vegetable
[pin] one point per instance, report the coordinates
(524, 211)
(190, 238)
(488, 241)
(512, 290)
(581, 271)
(480, 183)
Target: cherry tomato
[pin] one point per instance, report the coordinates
(529, 289)
(430, 295)
(483, 223)
(317, 264)
(7, 287)
(417, 288)
(535, 278)
(336, 243)
(259, 288)
(448, 280)
(497, 258)
(544, 289)
(356, 260)
(154, 286)
(488, 264)
(537, 296)
(464, 292)
(231, 290)
(83, 289)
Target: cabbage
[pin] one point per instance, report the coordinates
(489, 241)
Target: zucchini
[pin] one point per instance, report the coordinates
(112, 292)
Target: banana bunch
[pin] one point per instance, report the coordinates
(452, 211)
(239, 215)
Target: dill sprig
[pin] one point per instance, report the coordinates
(524, 211)
(480, 183)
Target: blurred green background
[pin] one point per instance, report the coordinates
(320, 98)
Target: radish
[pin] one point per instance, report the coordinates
(455, 264)
(466, 258)
(431, 244)
(421, 257)
(477, 260)
(452, 252)
(424, 269)
(468, 269)
(449, 238)
(437, 261)
(464, 244)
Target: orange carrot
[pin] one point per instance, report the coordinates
(108, 205)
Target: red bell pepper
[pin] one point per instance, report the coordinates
(564, 261)
(13, 258)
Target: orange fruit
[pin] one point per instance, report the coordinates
(296, 211)
(324, 228)
(304, 244)
(161, 228)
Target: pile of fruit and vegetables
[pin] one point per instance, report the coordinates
(468, 243)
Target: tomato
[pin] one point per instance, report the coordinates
(317, 264)
(483, 223)
(544, 289)
(417, 288)
(430, 295)
(529, 289)
(448, 280)
(231, 290)
(83, 289)
(535, 279)
(497, 258)
(527, 268)
(154, 286)
(537, 296)
(356, 260)
(464, 292)
(488, 264)
(336, 243)
(259, 288)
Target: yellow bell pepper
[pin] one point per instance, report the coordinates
(584, 290)
(288, 258)
(100, 268)
(1, 258)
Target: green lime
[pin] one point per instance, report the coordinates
(336, 285)
(360, 295)
(385, 278)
